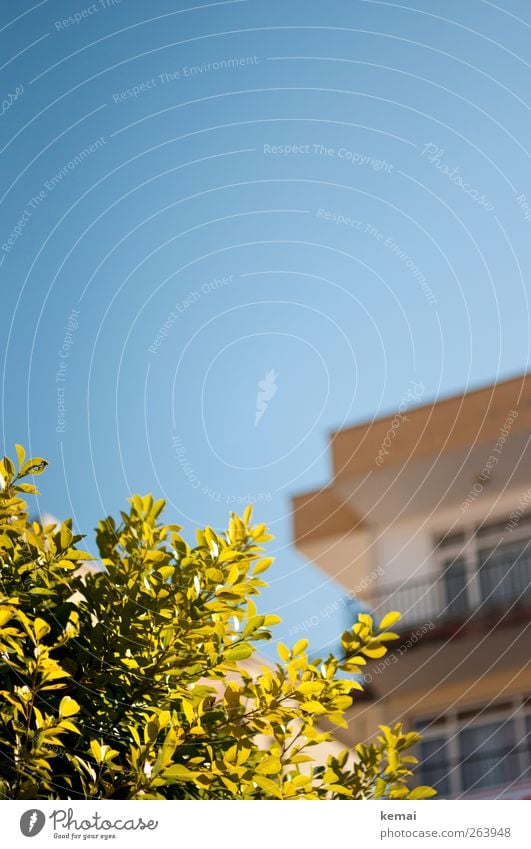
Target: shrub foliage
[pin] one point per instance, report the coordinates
(130, 682)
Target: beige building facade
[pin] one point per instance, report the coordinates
(429, 512)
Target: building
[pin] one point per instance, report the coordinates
(429, 513)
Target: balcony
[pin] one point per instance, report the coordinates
(499, 580)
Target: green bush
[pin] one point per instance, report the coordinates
(126, 682)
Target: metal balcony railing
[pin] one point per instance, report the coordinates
(457, 592)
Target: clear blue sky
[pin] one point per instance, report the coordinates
(354, 175)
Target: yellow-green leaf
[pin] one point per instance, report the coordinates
(269, 766)
(422, 792)
(35, 466)
(376, 651)
(272, 619)
(233, 575)
(6, 613)
(178, 772)
(253, 624)
(68, 707)
(311, 688)
(41, 628)
(262, 565)
(313, 706)
(389, 620)
(283, 652)
(300, 647)
(239, 652)
(95, 748)
(268, 785)
(300, 759)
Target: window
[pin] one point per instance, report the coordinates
(485, 565)
(434, 759)
(488, 754)
(483, 748)
(456, 586)
(527, 745)
(504, 571)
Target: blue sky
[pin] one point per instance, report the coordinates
(196, 196)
